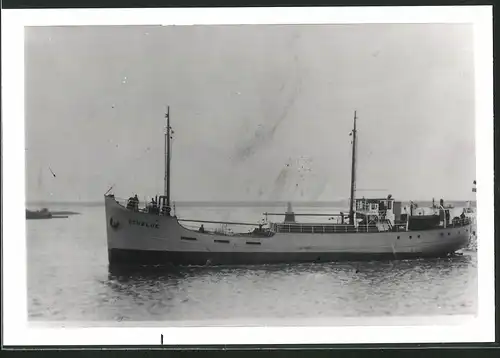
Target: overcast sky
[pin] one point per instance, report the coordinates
(259, 112)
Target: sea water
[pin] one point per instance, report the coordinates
(69, 281)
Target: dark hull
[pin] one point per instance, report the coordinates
(38, 216)
(119, 257)
(46, 217)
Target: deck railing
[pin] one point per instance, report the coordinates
(400, 227)
(143, 206)
(460, 222)
(332, 228)
(322, 229)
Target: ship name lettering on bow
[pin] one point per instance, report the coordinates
(145, 224)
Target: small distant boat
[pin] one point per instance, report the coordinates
(42, 214)
(38, 214)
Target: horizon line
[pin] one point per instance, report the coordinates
(238, 202)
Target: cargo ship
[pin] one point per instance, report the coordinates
(373, 229)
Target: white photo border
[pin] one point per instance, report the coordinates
(16, 329)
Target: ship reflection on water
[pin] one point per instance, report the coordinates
(389, 288)
(125, 274)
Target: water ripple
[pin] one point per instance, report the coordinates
(68, 280)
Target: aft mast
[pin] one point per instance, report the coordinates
(353, 172)
(167, 158)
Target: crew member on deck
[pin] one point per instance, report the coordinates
(136, 202)
(130, 203)
(154, 206)
(202, 228)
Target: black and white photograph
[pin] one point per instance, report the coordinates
(228, 175)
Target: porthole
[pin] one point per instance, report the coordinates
(441, 234)
(448, 234)
(410, 237)
(398, 237)
(418, 236)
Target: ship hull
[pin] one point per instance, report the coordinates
(200, 258)
(136, 238)
(38, 215)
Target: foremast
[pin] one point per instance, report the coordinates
(353, 172)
